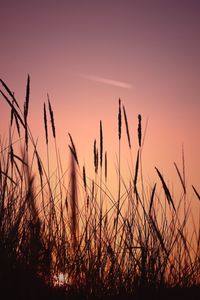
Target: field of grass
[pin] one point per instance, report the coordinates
(63, 235)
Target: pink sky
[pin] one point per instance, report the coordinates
(87, 54)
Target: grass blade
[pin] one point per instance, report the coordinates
(197, 194)
(136, 170)
(166, 190)
(9, 92)
(180, 177)
(152, 197)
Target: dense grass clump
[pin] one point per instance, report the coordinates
(64, 235)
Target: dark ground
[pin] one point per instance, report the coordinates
(20, 284)
(36, 290)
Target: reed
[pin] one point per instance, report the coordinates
(26, 107)
(119, 121)
(166, 190)
(127, 129)
(51, 118)
(73, 205)
(62, 237)
(140, 130)
(73, 149)
(96, 157)
(45, 125)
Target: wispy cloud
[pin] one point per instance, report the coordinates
(112, 82)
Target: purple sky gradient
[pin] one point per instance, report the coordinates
(154, 46)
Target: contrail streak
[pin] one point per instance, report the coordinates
(121, 84)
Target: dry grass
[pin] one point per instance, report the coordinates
(138, 244)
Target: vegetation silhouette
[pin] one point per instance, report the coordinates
(65, 236)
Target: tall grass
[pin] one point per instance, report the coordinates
(58, 230)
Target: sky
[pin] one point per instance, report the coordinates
(88, 54)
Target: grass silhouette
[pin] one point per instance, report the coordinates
(59, 240)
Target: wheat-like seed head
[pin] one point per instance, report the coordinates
(140, 130)
(119, 121)
(52, 118)
(45, 124)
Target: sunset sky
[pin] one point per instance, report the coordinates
(88, 54)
